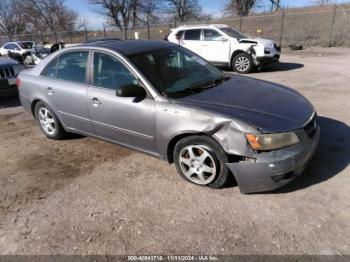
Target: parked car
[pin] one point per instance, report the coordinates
(26, 52)
(102, 39)
(9, 70)
(224, 46)
(164, 100)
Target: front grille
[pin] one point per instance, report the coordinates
(277, 47)
(7, 72)
(311, 127)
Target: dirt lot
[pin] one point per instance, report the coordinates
(84, 196)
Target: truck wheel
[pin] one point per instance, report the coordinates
(242, 63)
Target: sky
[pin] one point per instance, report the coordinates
(213, 7)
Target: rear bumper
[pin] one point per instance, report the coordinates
(273, 171)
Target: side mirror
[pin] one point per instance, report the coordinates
(223, 39)
(131, 90)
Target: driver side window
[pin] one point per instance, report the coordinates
(10, 46)
(110, 73)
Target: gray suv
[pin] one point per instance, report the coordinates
(164, 100)
(9, 69)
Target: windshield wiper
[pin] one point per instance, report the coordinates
(195, 88)
(214, 82)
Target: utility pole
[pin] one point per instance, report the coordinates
(240, 22)
(332, 26)
(282, 28)
(104, 30)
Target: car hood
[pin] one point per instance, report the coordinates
(265, 42)
(266, 106)
(7, 61)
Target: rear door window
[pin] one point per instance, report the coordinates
(72, 66)
(51, 69)
(193, 34)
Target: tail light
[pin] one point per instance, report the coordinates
(18, 82)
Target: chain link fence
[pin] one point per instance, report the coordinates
(319, 28)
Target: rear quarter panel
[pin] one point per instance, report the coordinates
(29, 89)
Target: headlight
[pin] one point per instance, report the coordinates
(18, 68)
(272, 141)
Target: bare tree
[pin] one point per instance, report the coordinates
(148, 10)
(275, 4)
(323, 2)
(49, 14)
(183, 9)
(239, 7)
(136, 6)
(118, 12)
(11, 18)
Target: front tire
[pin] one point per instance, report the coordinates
(242, 63)
(48, 122)
(201, 160)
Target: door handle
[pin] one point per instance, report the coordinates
(49, 90)
(204, 45)
(95, 101)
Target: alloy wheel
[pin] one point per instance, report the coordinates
(47, 121)
(242, 63)
(197, 164)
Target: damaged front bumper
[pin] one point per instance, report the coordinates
(272, 170)
(267, 59)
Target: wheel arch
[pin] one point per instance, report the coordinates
(172, 143)
(36, 101)
(234, 54)
(33, 104)
(250, 51)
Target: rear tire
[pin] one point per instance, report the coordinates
(48, 122)
(202, 161)
(242, 63)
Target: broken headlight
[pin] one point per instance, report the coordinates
(268, 142)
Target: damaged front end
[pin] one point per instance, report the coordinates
(261, 53)
(228, 115)
(266, 171)
(259, 171)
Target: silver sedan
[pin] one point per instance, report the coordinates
(164, 100)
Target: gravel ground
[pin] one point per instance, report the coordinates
(85, 196)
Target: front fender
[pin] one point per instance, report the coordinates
(176, 120)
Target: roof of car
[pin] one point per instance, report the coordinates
(202, 26)
(131, 47)
(17, 42)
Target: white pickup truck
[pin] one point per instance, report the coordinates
(222, 45)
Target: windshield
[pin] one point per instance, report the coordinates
(26, 45)
(233, 33)
(176, 70)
